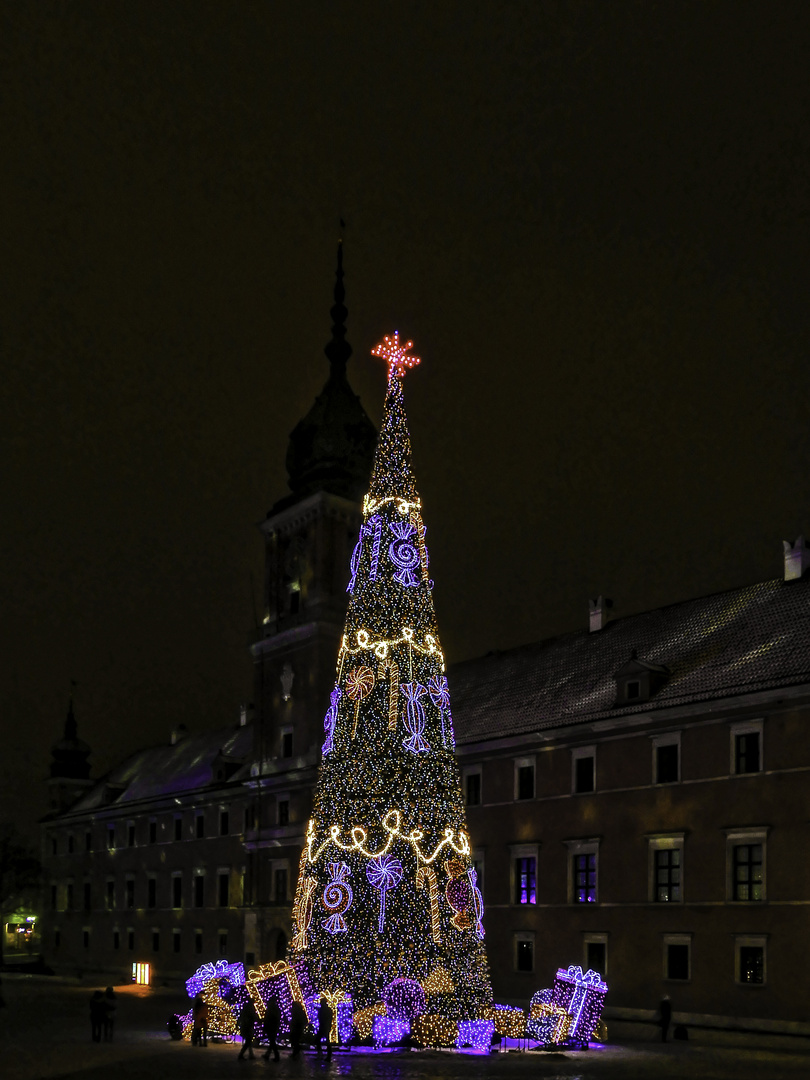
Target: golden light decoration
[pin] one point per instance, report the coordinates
(364, 1018)
(439, 981)
(359, 684)
(426, 878)
(431, 1029)
(395, 355)
(391, 824)
(508, 1021)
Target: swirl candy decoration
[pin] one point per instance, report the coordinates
(440, 696)
(414, 717)
(459, 894)
(384, 873)
(330, 720)
(402, 553)
(359, 684)
(337, 897)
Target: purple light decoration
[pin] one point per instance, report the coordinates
(376, 521)
(330, 720)
(387, 1031)
(337, 897)
(478, 902)
(402, 553)
(384, 873)
(475, 1033)
(583, 998)
(440, 696)
(404, 999)
(345, 1020)
(219, 970)
(414, 717)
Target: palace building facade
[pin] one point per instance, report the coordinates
(636, 792)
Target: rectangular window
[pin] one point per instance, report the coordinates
(151, 892)
(130, 939)
(249, 818)
(746, 752)
(130, 834)
(280, 883)
(70, 843)
(749, 960)
(110, 895)
(198, 942)
(88, 841)
(54, 897)
(584, 870)
(286, 742)
(747, 872)
(524, 952)
(69, 904)
(472, 788)
(129, 891)
(524, 778)
(596, 953)
(175, 940)
(199, 890)
(667, 758)
(155, 939)
(86, 937)
(152, 831)
(667, 875)
(116, 940)
(584, 774)
(223, 887)
(54, 846)
(178, 828)
(199, 826)
(57, 938)
(677, 957)
(633, 689)
(110, 838)
(223, 942)
(283, 808)
(87, 896)
(177, 890)
(526, 880)
(224, 823)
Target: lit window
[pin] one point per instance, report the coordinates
(749, 960)
(525, 881)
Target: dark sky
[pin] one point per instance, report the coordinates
(591, 217)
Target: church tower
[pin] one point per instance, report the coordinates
(70, 769)
(309, 536)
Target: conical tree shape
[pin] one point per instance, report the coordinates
(386, 888)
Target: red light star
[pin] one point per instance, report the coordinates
(390, 350)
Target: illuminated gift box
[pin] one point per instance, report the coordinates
(222, 969)
(431, 1029)
(475, 1033)
(549, 1024)
(288, 983)
(388, 1031)
(364, 1019)
(509, 1021)
(583, 998)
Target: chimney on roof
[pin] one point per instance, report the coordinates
(797, 558)
(178, 733)
(599, 611)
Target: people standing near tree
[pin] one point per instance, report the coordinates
(247, 1029)
(270, 1028)
(665, 1012)
(98, 1010)
(325, 1017)
(199, 1015)
(108, 1018)
(298, 1022)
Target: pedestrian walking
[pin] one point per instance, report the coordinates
(270, 1028)
(247, 1029)
(325, 1017)
(199, 1016)
(108, 1018)
(298, 1022)
(665, 1012)
(97, 1011)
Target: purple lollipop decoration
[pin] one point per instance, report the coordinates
(440, 696)
(384, 873)
(330, 720)
(414, 717)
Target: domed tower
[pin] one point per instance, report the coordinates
(309, 535)
(70, 769)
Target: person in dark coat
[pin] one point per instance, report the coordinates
(270, 1028)
(109, 1013)
(298, 1022)
(247, 1029)
(325, 1017)
(98, 1010)
(199, 1016)
(665, 1012)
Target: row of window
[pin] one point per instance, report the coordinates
(749, 956)
(745, 869)
(124, 834)
(127, 938)
(746, 758)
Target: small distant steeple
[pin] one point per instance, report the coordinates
(332, 448)
(70, 769)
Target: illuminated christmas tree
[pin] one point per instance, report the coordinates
(387, 907)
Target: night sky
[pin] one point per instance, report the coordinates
(592, 218)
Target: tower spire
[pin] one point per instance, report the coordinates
(339, 350)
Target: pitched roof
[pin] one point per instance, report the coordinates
(735, 642)
(168, 769)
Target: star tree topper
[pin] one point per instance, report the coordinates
(395, 355)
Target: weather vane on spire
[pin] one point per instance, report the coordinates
(395, 355)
